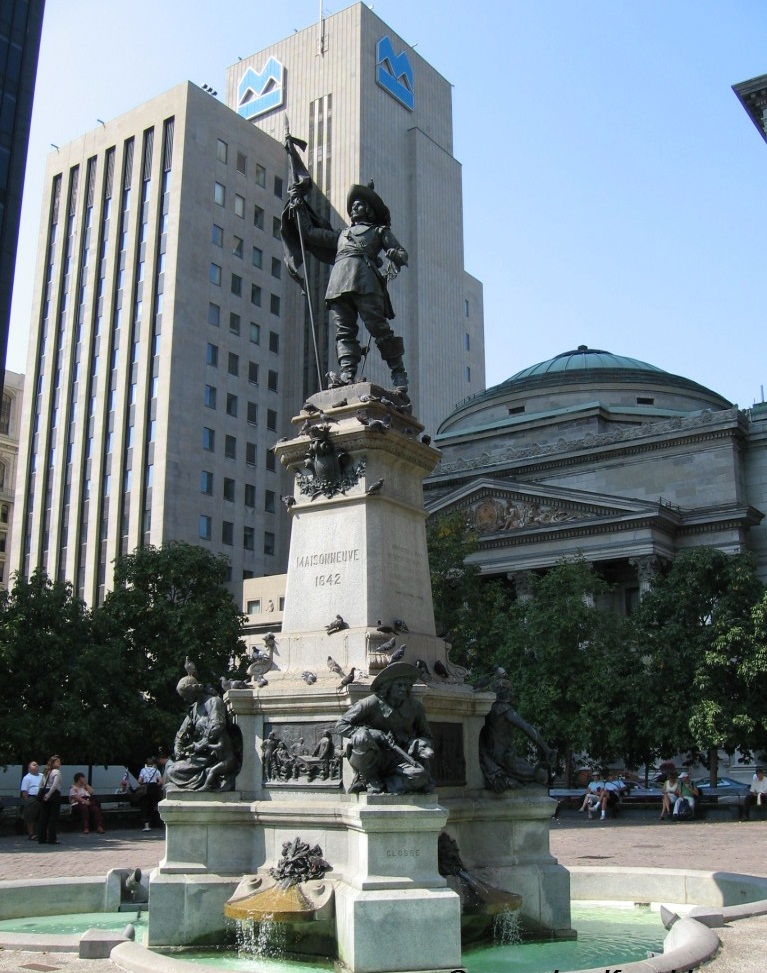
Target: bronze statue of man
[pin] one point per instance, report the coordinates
(389, 738)
(357, 287)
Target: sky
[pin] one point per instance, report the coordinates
(613, 186)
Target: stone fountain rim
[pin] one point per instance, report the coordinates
(694, 941)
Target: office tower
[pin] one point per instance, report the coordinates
(10, 428)
(21, 22)
(370, 107)
(154, 369)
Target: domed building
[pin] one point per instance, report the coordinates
(595, 454)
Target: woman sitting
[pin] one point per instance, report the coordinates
(687, 792)
(671, 792)
(85, 804)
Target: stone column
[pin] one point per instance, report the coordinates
(646, 567)
(522, 584)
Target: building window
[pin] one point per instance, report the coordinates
(208, 439)
(237, 247)
(258, 217)
(242, 163)
(252, 413)
(239, 205)
(227, 533)
(466, 307)
(255, 333)
(236, 285)
(254, 607)
(272, 381)
(276, 268)
(250, 494)
(228, 489)
(217, 237)
(468, 342)
(468, 373)
(206, 525)
(219, 194)
(271, 420)
(249, 538)
(268, 543)
(233, 366)
(214, 315)
(253, 372)
(260, 175)
(278, 186)
(215, 274)
(234, 323)
(258, 257)
(269, 501)
(231, 405)
(516, 410)
(645, 400)
(276, 228)
(255, 295)
(206, 483)
(250, 454)
(270, 461)
(221, 150)
(230, 447)
(274, 342)
(210, 396)
(211, 355)
(274, 304)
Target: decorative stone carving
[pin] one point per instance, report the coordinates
(299, 863)
(647, 567)
(327, 471)
(301, 754)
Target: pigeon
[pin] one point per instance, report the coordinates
(374, 488)
(397, 654)
(308, 677)
(440, 669)
(422, 667)
(311, 409)
(426, 440)
(347, 680)
(226, 684)
(270, 640)
(191, 668)
(400, 626)
(261, 682)
(334, 666)
(334, 380)
(337, 625)
(288, 501)
(386, 629)
(388, 645)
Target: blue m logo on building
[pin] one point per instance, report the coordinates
(261, 91)
(394, 73)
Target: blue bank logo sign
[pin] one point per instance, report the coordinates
(394, 73)
(261, 91)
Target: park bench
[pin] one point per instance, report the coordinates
(114, 808)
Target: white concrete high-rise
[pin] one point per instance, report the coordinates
(370, 107)
(154, 373)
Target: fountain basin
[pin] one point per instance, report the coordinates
(261, 898)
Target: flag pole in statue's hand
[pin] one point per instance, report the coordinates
(298, 186)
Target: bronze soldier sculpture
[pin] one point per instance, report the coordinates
(357, 287)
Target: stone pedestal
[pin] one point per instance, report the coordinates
(358, 551)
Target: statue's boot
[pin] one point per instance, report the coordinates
(349, 354)
(392, 349)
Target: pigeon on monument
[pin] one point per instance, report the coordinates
(374, 488)
(397, 654)
(388, 645)
(308, 677)
(348, 679)
(334, 666)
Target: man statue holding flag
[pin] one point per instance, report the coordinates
(357, 287)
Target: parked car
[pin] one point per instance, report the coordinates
(725, 786)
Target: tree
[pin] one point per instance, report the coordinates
(570, 665)
(52, 688)
(469, 611)
(168, 604)
(682, 626)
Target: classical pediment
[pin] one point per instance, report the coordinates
(494, 506)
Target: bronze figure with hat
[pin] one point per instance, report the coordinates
(390, 743)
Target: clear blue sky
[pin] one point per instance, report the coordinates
(614, 188)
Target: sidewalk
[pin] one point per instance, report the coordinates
(717, 845)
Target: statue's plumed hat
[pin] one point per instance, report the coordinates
(397, 670)
(368, 195)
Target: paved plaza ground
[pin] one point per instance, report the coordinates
(631, 840)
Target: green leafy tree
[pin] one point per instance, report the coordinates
(168, 603)
(468, 611)
(52, 690)
(566, 659)
(682, 630)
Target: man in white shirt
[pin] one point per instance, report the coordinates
(758, 793)
(30, 784)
